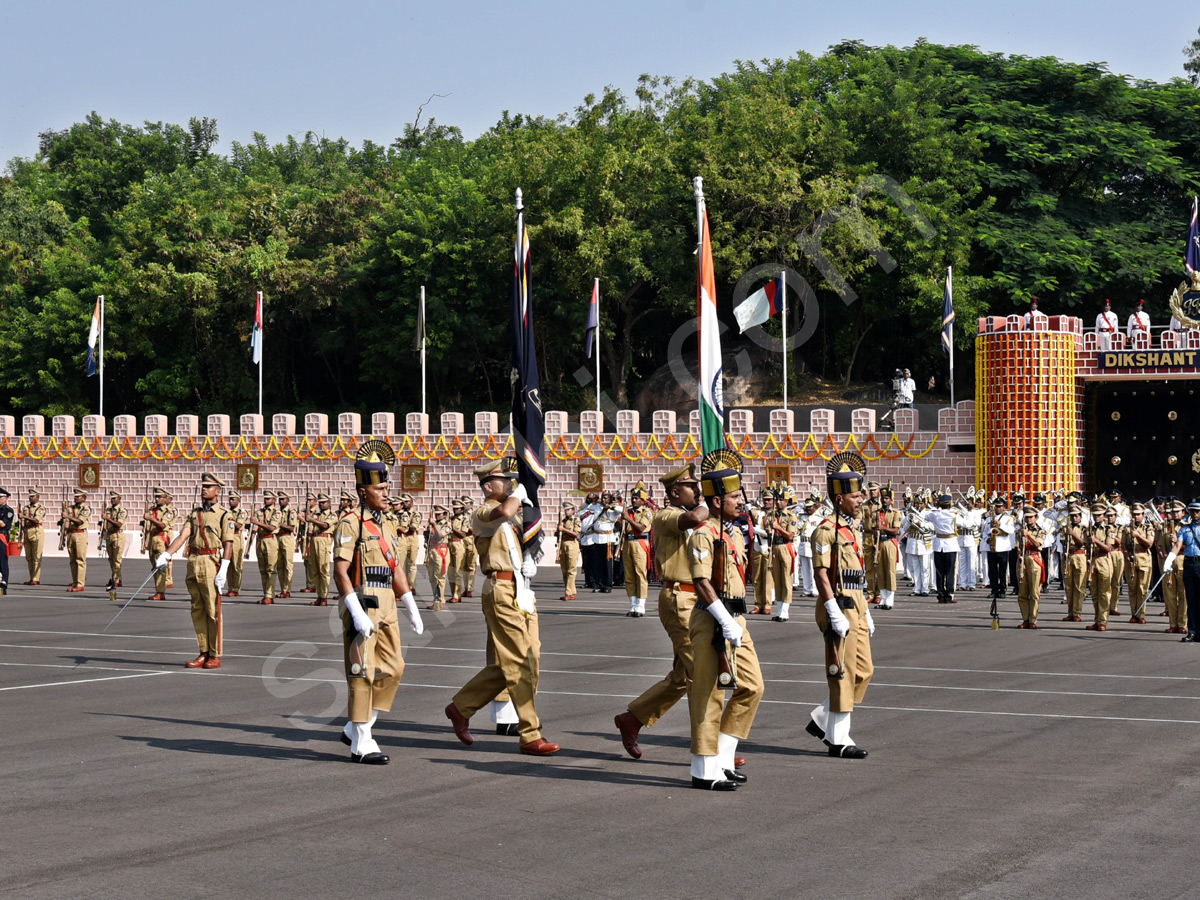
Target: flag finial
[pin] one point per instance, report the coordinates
(520, 205)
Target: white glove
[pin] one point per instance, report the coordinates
(837, 619)
(870, 625)
(520, 493)
(414, 614)
(730, 629)
(1170, 560)
(362, 622)
(529, 567)
(221, 574)
(163, 561)
(526, 602)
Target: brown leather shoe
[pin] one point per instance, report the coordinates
(320, 602)
(540, 747)
(213, 662)
(739, 761)
(1072, 619)
(119, 584)
(629, 725)
(286, 595)
(469, 594)
(309, 591)
(266, 601)
(232, 593)
(158, 596)
(462, 725)
(198, 662)
(569, 597)
(1092, 627)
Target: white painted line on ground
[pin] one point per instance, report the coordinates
(22, 687)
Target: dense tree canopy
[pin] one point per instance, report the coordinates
(866, 170)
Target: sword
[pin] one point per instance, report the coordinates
(1145, 599)
(130, 600)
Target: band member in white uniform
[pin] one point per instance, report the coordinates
(1107, 324)
(1138, 326)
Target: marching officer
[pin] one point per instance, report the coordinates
(568, 550)
(33, 517)
(208, 533)
(321, 526)
(509, 609)
(240, 519)
(636, 554)
(470, 554)
(370, 583)
(76, 519)
(287, 526)
(721, 643)
(842, 612)
(1103, 540)
(1033, 568)
(1077, 542)
(266, 525)
(887, 553)
(112, 534)
(159, 522)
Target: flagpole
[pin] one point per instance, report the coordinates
(596, 339)
(783, 311)
(102, 356)
(262, 330)
(950, 283)
(422, 351)
(698, 191)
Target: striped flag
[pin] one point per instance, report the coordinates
(761, 305)
(712, 414)
(256, 334)
(1191, 258)
(593, 318)
(93, 338)
(948, 313)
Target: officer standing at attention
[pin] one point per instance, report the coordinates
(240, 517)
(208, 534)
(289, 522)
(458, 534)
(76, 520)
(470, 554)
(783, 527)
(7, 514)
(412, 540)
(437, 553)
(887, 552)
(1033, 569)
(32, 518)
(266, 524)
(842, 613)
(369, 583)
(636, 555)
(112, 531)
(1104, 545)
(310, 509)
(321, 526)
(568, 550)
(1076, 541)
(509, 609)
(1107, 324)
(870, 532)
(160, 521)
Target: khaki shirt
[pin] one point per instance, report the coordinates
(670, 545)
(329, 519)
(377, 568)
(705, 547)
(34, 511)
(870, 520)
(1146, 530)
(570, 523)
(211, 527)
(165, 516)
(889, 518)
(785, 520)
(490, 541)
(414, 522)
(114, 512)
(269, 515)
(287, 519)
(644, 517)
(83, 513)
(461, 524)
(850, 559)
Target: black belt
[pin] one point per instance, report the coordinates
(844, 602)
(780, 542)
(736, 606)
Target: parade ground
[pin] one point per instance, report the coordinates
(1003, 764)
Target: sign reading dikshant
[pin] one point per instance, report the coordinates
(1116, 360)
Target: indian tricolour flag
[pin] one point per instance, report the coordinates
(712, 414)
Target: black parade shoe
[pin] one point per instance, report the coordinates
(370, 759)
(703, 784)
(736, 776)
(847, 751)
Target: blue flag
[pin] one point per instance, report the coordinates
(1191, 258)
(593, 319)
(947, 313)
(527, 423)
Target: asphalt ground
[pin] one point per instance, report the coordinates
(1010, 763)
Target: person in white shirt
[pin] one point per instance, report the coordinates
(605, 526)
(919, 546)
(1139, 324)
(998, 531)
(969, 524)
(589, 540)
(944, 522)
(1107, 325)
(1035, 320)
(908, 389)
(808, 524)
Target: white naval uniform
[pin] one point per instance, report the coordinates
(1107, 324)
(919, 551)
(1139, 323)
(969, 522)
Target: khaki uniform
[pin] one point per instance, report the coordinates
(306, 554)
(35, 539)
(1077, 544)
(676, 600)
(211, 529)
(870, 531)
(514, 635)
(783, 554)
(470, 560)
(268, 548)
(319, 552)
(410, 544)
(437, 559)
(384, 663)
(240, 518)
(636, 555)
(762, 567)
(1172, 584)
(458, 555)
(161, 534)
(287, 549)
(1140, 566)
(1030, 588)
(114, 539)
(887, 552)
(856, 646)
(77, 543)
(1102, 572)
(1118, 572)
(568, 554)
(711, 715)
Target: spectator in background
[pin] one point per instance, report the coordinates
(906, 390)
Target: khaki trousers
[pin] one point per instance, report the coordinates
(319, 558)
(1030, 590)
(206, 602)
(1139, 583)
(635, 559)
(1114, 584)
(34, 542)
(1174, 596)
(454, 568)
(1102, 587)
(310, 572)
(384, 663)
(268, 559)
(518, 647)
(711, 715)
(675, 612)
(855, 652)
(470, 558)
(77, 551)
(568, 563)
(436, 567)
(781, 573)
(1076, 587)
(162, 580)
(871, 563)
(887, 554)
(237, 564)
(762, 580)
(285, 563)
(114, 546)
(406, 557)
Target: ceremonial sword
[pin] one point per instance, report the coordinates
(130, 600)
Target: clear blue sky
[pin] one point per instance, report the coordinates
(359, 70)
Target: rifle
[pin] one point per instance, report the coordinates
(726, 661)
(62, 522)
(145, 524)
